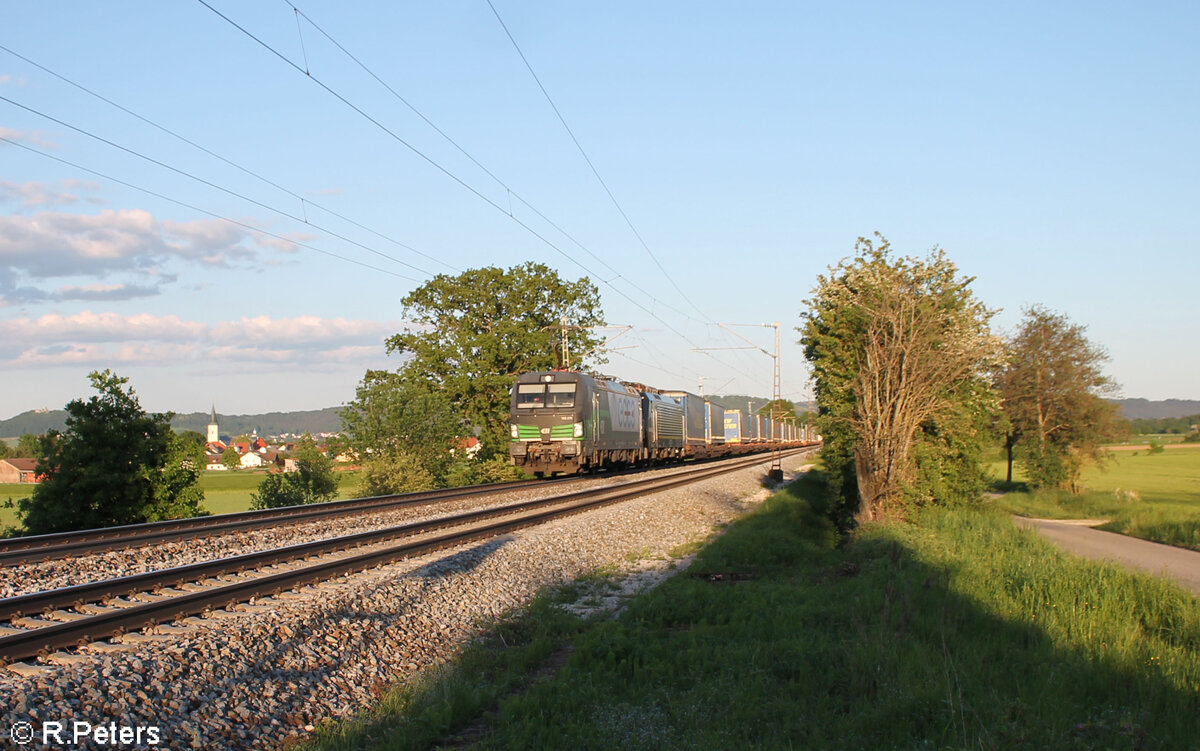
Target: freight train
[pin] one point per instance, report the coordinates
(570, 422)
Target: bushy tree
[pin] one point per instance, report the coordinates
(899, 349)
(29, 446)
(115, 464)
(475, 332)
(230, 458)
(398, 472)
(312, 482)
(403, 428)
(1052, 385)
(193, 437)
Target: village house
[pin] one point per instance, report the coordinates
(18, 471)
(253, 454)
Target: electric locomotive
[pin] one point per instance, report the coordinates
(565, 421)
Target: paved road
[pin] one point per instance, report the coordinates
(1078, 537)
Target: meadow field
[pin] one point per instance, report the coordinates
(224, 492)
(1155, 496)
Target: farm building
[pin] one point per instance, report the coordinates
(18, 470)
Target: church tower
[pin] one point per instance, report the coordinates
(213, 436)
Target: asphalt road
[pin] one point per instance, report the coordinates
(1155, 558)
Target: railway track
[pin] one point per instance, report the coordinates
(35, 548)
(74, 616)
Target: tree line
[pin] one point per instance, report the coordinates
(1165, 425)
(914, 388)
(411, 428)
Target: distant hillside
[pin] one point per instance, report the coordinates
(739, 401)
(34, 421)
(272, 423)
(327, 420)
(1144, 409)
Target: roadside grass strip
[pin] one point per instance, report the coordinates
(956, 630)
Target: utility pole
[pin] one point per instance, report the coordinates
(564, 346)
(776, 470)
(566, 352)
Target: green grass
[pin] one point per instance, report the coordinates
(14, 492)
(224, 492)
(1164, 505)
(955, 631)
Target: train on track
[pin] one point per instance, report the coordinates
(568, 422)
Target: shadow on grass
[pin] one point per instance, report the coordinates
(897, 640)
(958, 631)
(1004, 486)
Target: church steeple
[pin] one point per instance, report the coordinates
(213, 434)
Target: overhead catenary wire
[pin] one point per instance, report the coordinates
(509, 191)
(572, 258)
(228, 191)
(245, 170)
(432, 162)
(590, 164)
(206, 212)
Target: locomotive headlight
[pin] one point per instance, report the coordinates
(512, 430)
(578, 430)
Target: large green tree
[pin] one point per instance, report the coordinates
(899, 349)
(1053, 386)
(115, 464)
(471, 334)
(402, 428)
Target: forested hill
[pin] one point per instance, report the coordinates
(1144, 409)
(743, 403)
(272, 423)
(327, 420)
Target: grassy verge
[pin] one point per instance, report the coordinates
(1152, 496)
(957, 631)
(224, 492)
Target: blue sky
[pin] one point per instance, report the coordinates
(1051, 151)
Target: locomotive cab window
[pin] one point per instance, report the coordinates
(532, 395)
(560, 395)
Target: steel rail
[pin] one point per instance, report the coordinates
(99, 591)
(73, 633)
(34, 548)
(20, 550)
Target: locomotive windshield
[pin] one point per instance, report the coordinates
(531, 395)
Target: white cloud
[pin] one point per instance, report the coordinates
(285, 243)
(33, 195)
(110, 340)
(310, 330)
(32, 137)
(96, 292)
(51, 244)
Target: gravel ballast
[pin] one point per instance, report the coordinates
(92, 567)
(250, 680)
